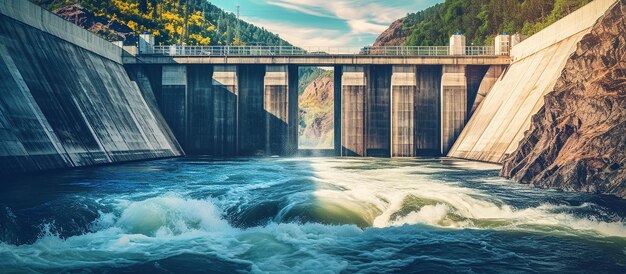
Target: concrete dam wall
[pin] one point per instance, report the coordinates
(380, 110)
(228, 110)
(500, 121)
(67, 100)
(90, 109)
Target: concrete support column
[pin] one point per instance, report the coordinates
(403, 88)
(353, 120)
(453, 105)
(225, 110)
(379, 111)
(251, 110)
(200, 110)
(173, 101)
(428, 111)
(281, 119)
(294, 110)
(338, 109)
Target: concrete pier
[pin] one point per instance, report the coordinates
(353, 111)
(453, 104)
(251, 119)
(338, 73)
(280, 97)
(199, 116)
(403, 88)
(173, 100)
(379, 111)
(225, 110)
(428, 111)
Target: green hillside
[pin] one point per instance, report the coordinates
(481, 20)
(191, 22)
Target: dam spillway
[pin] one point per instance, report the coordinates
(381, 110)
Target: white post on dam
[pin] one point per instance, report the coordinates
(146, 42)
(457, 44)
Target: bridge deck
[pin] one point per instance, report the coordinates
(289, 55)
(321, 60)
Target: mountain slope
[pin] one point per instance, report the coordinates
(192, 22)
(316, 106)
(479, 20)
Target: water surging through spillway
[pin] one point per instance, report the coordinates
(277, 215)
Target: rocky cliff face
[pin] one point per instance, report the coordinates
(316, 114)
(577, 141)
(393, 36)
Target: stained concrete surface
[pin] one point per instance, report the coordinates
(65, 106)
(500, 121)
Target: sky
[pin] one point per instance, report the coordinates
(325, 23)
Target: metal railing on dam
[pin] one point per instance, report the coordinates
(426, 51)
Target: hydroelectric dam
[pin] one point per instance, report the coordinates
(150, 158)
(245, 102)
(72, 99)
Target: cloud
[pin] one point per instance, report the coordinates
(335, 22)
(305, 36)
(362, 16)
(298, 8)
(364, 27)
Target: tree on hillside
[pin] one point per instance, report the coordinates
(191, 22)
(481, 20)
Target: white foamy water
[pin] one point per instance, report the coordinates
(161, 227)
(318, 215)
(389, 189)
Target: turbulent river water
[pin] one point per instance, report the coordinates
(303, 215)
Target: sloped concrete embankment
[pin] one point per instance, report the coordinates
(66, 99)
(499, 123)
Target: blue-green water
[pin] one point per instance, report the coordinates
(303, 216)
